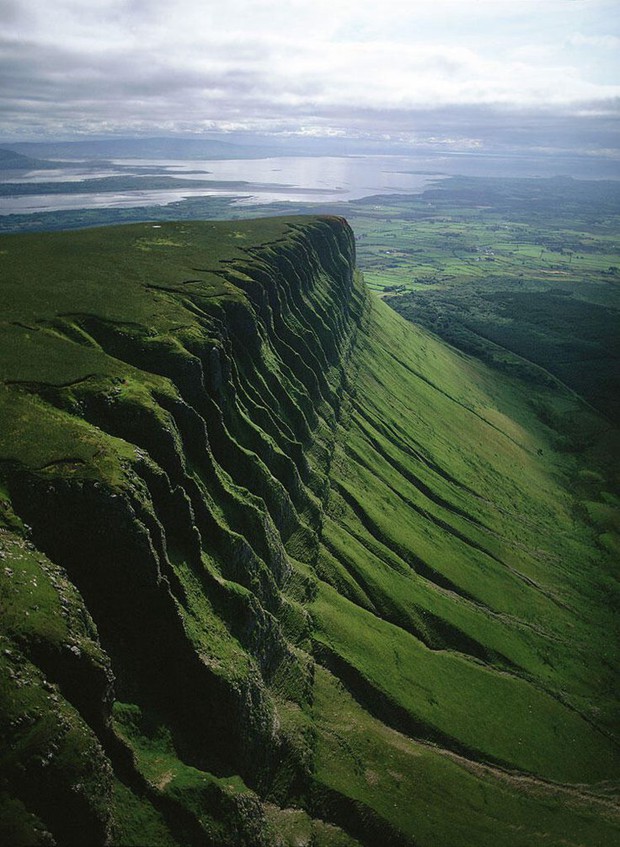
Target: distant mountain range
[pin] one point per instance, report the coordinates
(238, 146)
(137, 148)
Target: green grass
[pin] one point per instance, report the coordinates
(464, 702)
(435, 796)
(347, 577)
(399, 527)
(137, 822)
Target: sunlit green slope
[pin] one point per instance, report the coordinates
(279, 568)
(471, 609)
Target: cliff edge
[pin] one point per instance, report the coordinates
(277, 567)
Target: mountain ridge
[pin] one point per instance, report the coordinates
(306, 558)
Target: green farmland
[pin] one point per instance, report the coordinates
(468, 229)
(524, 274)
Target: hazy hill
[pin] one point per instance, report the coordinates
(13, 161)
(141, 148)
(280, 568)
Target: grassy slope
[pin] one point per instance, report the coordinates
(457, 604)
(475, 612)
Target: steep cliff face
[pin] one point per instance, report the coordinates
(279, 568)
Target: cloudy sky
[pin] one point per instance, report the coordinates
(446, 72)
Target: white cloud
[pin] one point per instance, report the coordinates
(605, 42)
(141, 63)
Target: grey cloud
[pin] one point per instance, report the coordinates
(9, 11)
(116, 79)
(64, 87)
